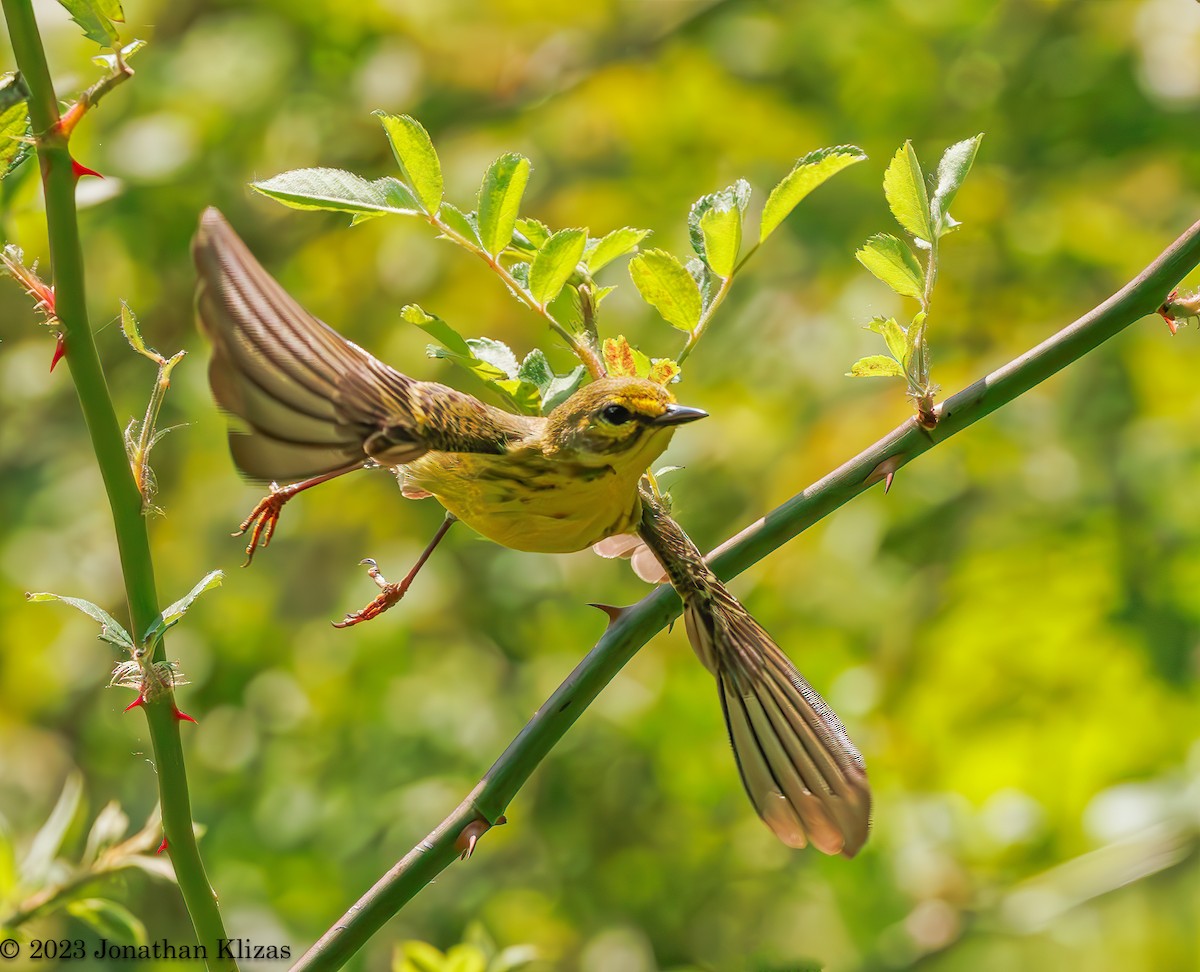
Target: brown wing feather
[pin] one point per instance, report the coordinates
(313, 402)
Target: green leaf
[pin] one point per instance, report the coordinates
(172, 614)
(904, 187)
(893, 262)
(500, 200)
(107, 829)
(417, 956)
(532, 231)
(110, 630)
(522, 394)
(465, 958)
(96, 18)
(109, 920)
(514, 957)
(893, 336)
(808, 173)
(913, 333)
(417, 158)
(47, 844)
(667, 286)
(721, 227)
(465, 225)
(436, 328)
(736, 197)
(15, 130)
(536, 370)
(599, 253)
(875, 366)
(952, 170)
(554, 264)
(561, 388)
(496, 353)
(339, 191)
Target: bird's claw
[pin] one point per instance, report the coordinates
(263, 518)
(389, 595)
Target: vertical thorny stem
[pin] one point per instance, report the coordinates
(125, 499)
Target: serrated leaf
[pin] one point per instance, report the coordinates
(536, 370)
(522, 394)
(554, 264)
(496, 353)
(622, 359)
(875, 366)
(465, 225)
(721, 228)
(48, 841)
(952, 170)
(500, 200)
(561, 388)
(339, 191)
(109, 920)
(96, 17)
(666, 285)
(172, 613)
(533, 231)
(904, 188)
(436, 328)
(893, 261)
(602, 252)
(15, 130)
(663, 371)
(806, 175)
(893, 335)
(110, 630)
(736, 197)
(417, 158)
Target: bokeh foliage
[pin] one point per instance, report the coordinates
(1011, 634)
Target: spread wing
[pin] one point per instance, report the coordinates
(312, 402)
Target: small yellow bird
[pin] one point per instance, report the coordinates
(314, 406)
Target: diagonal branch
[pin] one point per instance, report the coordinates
(634, 626)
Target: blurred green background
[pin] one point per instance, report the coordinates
(1011, 636)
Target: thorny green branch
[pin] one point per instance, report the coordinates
(634, 626)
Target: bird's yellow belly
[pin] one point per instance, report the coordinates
(535, 505)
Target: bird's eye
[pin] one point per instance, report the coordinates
(616, 414)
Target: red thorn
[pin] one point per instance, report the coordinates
(79, 170)
(614, 613)
(887, 482)
(182, 716)
(60, 348)
(163, 846)
(140, 700)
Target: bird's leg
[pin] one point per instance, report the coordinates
(390, 594)
(265, 515)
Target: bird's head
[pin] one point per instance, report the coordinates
(616, 417)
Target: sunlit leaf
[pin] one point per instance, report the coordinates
(500, 200)
(609, 247)
(622, 359)
(110, 630)
(339, 191)
(721, 227)
(666, 286)
(465, 225)
(555, 262)
(808, 173)
(893, 261)
(876, 366)
(735, 197)
(436, 328)
(465, 958)
(893, 335)
(496, 353)
(904, 187)
(96, 17)
(663, 370)
(952, 170)
(534, 232)
(14, 123)
(417, 158)
(129, 50)
(107, 829)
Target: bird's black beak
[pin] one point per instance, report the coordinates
(678, 414)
